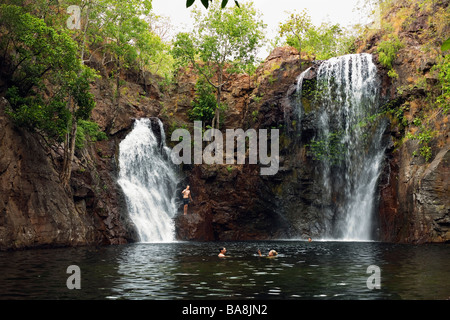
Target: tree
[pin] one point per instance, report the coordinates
(327, 41)
(295, 28)
(159, 61)
(36, 57)
(206, 3)
(324, 42)
(121, 31)
(204, 104)
(224, 42)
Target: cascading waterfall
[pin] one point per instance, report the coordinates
(348, 143)
(299, 110)
(148, 180)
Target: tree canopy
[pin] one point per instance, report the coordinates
(224, 42)
(207, 2)
(322, 42)
(37, 55)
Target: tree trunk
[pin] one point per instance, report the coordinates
(69, 144)
(216, 119)
(69, 151)
(300, 51)
(116, 98)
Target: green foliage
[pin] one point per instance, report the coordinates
(295, 28)
(255, 114)
(121, 31)
(446, 45)
(53, 13)
(443, 100)
(223, 42)
(204, 105)
(393, 74)
(88, 131)
(184, 49)
(440, 103)
(388, 51)
(206, 3)
(397, 112)
(129, 35)
(436, 101)
(229, 37)
(34, 50)
(324, 42)
(330, 148)
(32, 112)
(424, 136)
(79, 90)
(38, 56)
(428, 90)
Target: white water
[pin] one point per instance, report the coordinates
(349, 94)
(148, 180)
(299, 87)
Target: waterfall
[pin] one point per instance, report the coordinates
(148, 180)
(299, 86)
(348, 143)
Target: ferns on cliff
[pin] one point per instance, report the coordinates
(388, 51)
(443, 100)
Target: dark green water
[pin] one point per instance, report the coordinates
(192, 270)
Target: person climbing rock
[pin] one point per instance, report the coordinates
(186, 197)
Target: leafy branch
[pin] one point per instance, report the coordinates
(206, 3)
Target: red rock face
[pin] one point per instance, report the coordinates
(36, 211)
(234, 202)
(231, 202)
(414, 204)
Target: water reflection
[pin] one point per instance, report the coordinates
(302, 270)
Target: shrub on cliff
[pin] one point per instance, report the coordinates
(224, 42)
(48, 86)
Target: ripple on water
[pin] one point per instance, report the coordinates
(193, 271)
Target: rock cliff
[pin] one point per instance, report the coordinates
(231, 202)
(414, 205)
(234, 202)
(37, 211)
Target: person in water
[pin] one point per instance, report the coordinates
(272, 253)
(222, 252)
(186, 197)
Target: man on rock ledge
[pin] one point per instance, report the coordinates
(186, 196)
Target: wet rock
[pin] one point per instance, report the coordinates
(35, 209)
(414, 203)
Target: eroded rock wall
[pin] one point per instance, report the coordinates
(36, 211)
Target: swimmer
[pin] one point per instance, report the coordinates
(272, 253)
(222, 252)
